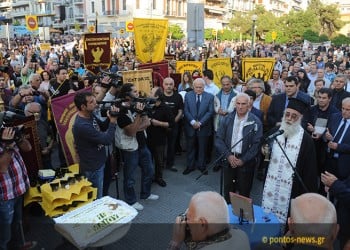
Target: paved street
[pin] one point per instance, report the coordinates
(152, 228)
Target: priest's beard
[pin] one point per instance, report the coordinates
(290, 129)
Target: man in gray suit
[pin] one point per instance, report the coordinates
(198, 111)
(243, 129)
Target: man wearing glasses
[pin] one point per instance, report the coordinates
(282, 182)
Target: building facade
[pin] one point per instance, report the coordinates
(112, 15)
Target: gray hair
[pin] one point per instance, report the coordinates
(256, 80)
(313, 214)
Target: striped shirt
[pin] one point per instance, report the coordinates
(15, 181)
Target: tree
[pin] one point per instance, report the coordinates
(340, 40)
(328, 17)
(176, 32)
(311, 36)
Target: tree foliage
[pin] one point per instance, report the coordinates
(340, 40)
(176, 31)
(318, 22)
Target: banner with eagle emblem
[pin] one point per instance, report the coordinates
(97, 51)
(260, 68)
(150, 39)
(220, 68)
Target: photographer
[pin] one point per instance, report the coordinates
(162, 119)
(5, 94)
(130, 138)
(206, 225)
(29, 68)
(30, 93)
(14, 183)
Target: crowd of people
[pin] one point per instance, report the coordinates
(293, 129)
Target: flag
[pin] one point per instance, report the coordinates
(220, 68)
(189, 66)
(150, 39)
(64, 112)
(260, 68)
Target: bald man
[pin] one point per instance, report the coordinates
(207, 221)
(312, 215)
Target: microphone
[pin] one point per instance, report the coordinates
(274, 135)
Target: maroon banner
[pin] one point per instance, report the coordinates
(64, 113)
(160, 71)
(32, 159)
(97, 51)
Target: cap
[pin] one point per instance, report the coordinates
(297, 104)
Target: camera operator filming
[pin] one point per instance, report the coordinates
(130, 138)
(14, 183)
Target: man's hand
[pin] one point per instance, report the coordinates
(328, 135)
(310, 128)
(196, 125)
(113, 118)
(179, 230)
(332, 145)
(328, 179)
(238, 162)
(8, 134)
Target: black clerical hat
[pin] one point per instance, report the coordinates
(297, 104)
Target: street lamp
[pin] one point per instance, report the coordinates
(254, 18)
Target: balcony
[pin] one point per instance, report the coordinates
(215, 10)
(5, 4)
(79, 15)
(18, 3)
(111, 12)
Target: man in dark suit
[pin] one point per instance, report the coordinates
(338, 137)
(280, 102)
(242, 158)
(198, 111)
(339, 92)
(316, 114)
(340, 190)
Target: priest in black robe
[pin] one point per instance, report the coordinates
(282, 182)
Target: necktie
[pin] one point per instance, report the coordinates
(198, 104)
(340, 132)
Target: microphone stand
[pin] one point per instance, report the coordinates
(213, 163)
(294, 168)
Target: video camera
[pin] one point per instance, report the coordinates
(7, 117)
(106, 106)
(116, 78)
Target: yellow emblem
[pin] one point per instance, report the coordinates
(97, 54)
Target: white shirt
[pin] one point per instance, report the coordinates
(237, 133)
(211, 88)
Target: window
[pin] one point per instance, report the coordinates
(154, 4)
(137, 4)
(179, 10)
(124, 4)
(93, 7)
(104, 6)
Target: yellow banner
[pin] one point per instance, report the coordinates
(45, 46)
(150, 39)
(32, 23)
(260, 68)
(189, 66)
(220, 67)
(142, 79)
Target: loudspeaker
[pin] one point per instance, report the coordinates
(62, 12)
